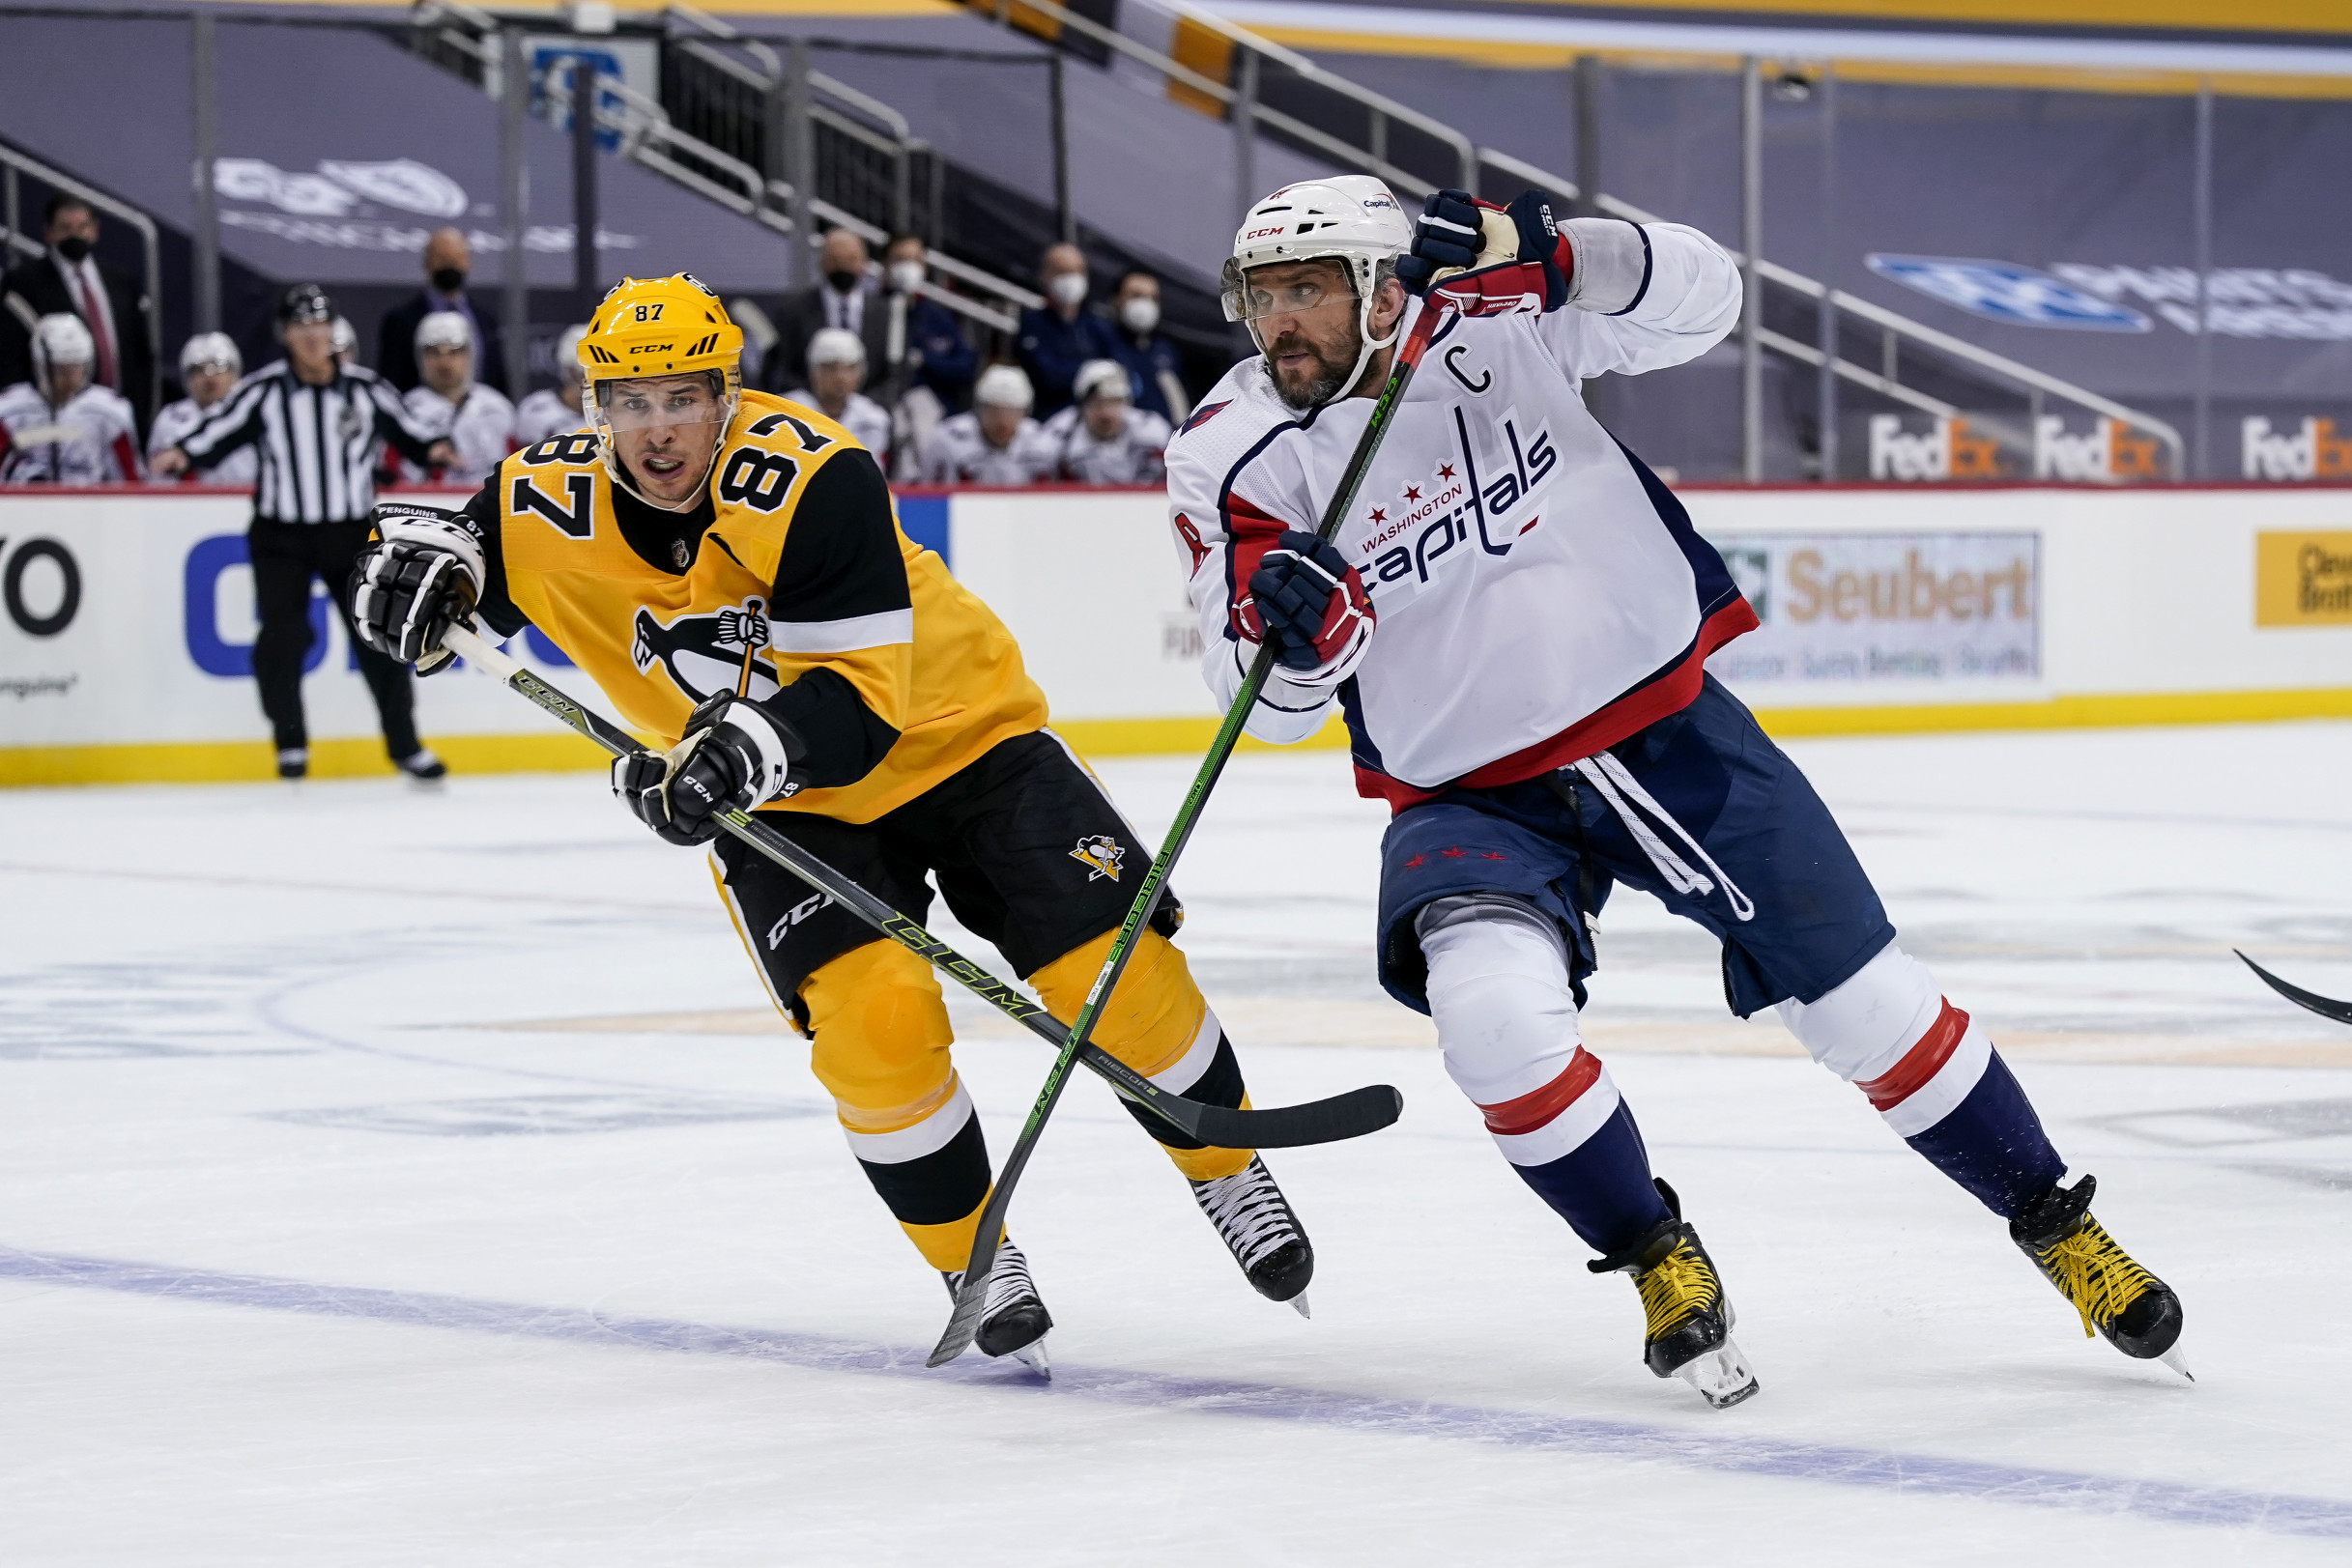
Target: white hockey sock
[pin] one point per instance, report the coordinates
(1889, 1032)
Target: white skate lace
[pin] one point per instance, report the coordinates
(1609, 776)
(1008, 1281)
(1249, 1212)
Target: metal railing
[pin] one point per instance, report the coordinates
(13, 164)
(1374, 154)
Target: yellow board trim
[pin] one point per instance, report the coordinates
(235, 762)
(2225, 16)
(230, 762)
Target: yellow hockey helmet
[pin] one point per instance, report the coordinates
(658, 327)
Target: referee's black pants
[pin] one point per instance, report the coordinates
(286, 557)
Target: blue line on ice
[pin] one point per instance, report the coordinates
(2163, 1502)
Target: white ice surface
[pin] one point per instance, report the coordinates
(305, 1258)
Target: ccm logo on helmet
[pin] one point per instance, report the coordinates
(1260, 233)
(653, 348)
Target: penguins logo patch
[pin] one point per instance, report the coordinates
(1101, 855)
(704, 653)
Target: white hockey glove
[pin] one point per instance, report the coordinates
(420, 575)
(735, 755)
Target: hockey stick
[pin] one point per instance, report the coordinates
(971, 1295)
(2326, 1007)
(1351, 1115)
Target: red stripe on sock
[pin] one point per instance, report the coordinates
(1920, 1063)
(1533, 1109)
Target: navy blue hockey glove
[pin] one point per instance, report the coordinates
(1497, 260)
(1309, 604)
(735, 755)
(421, 574)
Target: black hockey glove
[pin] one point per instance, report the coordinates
(736, 755)
(1510, 259)
(420, 576)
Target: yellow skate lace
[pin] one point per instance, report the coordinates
(2095, 1274)
(1679, 1284)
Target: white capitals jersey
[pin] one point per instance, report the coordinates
(862, 416)
(542, 415)
(91, 440)
(480, 426)
(1540, 594)
(1137, 455)
(959, 454)
(173, 425)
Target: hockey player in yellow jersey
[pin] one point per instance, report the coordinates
(728, 568)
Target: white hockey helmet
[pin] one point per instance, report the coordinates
(61, 339)
(567, 351)
(1004, 386)
(1101, 377)
(445, 329)
(1351, 218)
(211, 351)
(835, 346)
(346, 338)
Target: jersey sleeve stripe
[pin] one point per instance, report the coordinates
(847, 636)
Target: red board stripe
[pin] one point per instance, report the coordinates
(1535, 1108)
(1920, 1063)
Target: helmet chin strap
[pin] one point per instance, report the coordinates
(1367, 343)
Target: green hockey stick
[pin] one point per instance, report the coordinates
(972, 1296)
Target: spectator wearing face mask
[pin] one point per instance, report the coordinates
(1063, 335)
(1152, 367)
(552, 412)
(450, 405)
(1104, 438)
(837, 369)
(447, 262)
(845, 300)
(935, 361)
(208, 367)
(997, 443)
(67, 280)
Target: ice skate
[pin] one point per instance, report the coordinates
(1255, 1222)
(1687, 1331)
(1014, 1320)
(2135, 1311)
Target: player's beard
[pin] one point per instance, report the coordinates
(1330, 379)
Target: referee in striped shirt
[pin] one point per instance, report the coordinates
(315, 424)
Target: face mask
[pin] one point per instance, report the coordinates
(843, 282)
(1068, 288)
(73, 248)
(1140, 314)
(448, 279)
(906, 276)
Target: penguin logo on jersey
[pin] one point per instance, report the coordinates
(704, 653)
(1101, 854)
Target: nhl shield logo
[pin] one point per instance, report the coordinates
(1101, 854)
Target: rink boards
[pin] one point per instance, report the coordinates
(125, 620)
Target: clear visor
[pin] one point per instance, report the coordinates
(1246, 301)
(660, 401)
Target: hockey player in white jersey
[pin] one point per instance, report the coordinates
(1513, 620)
(450, 404)
(552, 412)
(1102, 438)
(61, 428)
(837, 370)
(996, 443)
(208, 367)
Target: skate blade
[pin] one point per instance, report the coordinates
(2173, 1359)
(1033, 1357)
(1721, 1376)
(1299, 1301)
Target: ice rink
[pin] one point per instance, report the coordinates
(396, 1178)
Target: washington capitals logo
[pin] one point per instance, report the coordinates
(1203, 415)
(705, 654)
(1101, 855)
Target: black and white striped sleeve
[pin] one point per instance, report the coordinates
(236, 421)
(394, 425)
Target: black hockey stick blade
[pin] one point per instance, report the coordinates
(2325, 1007)
(1341, 1117)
